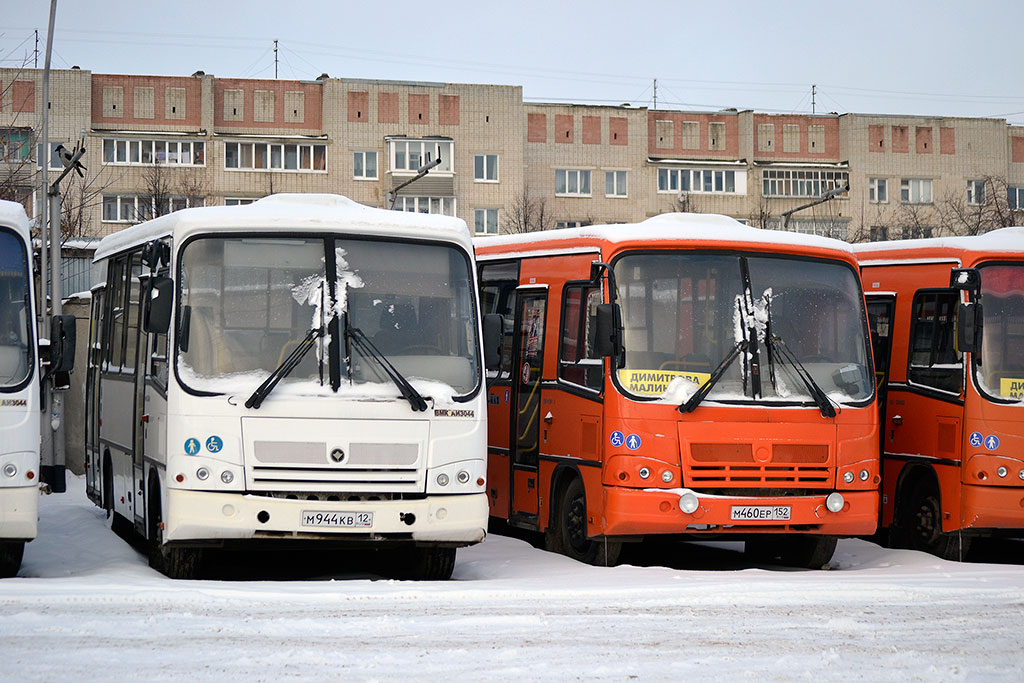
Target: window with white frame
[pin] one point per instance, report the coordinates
(364, 165)
(273, 156)
(485, 168)
(485, 221)
(572, 182)
(135, 208)
(15, 144)
(123, 152)
(439, 205)
(572, 224)
(801, 183)
(916, 191)
(701, 180)
(615, 184)
(407, 155)
(976, 192)
(1015, 197)
(878, 191)
(238, 201)
(55, 163)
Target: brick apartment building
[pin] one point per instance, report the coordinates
(157, 143)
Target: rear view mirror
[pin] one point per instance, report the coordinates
(968, 327)
(62, 343)
(159, 297)
(494, 341)
(608, 337)
(965, 278)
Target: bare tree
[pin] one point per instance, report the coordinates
(911, 221)
(988, 209)
(193, 185)
(526, 213)
(761, 215)
(685, 202)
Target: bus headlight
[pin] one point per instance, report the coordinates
(848, 477)
(864, 474)
(835, 501)
(462, 476)
(688, 503)
(442, 479)
(202, 474)
(1020, 475)
(227, 477)
(10, 469)
(666, 476)
(1001, 471)
(644, 473)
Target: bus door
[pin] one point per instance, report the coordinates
(881, 309)
(92, 401)
(525, 420)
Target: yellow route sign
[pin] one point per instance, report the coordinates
(655, 382)
(1011, 388)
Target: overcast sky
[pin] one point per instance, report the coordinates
(942, 57)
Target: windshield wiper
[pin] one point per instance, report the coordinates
(817, 393)
(366, 347)
(691, 404)
(290, 362)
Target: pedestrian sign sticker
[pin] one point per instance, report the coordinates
(617, 439)
(192, 446)
(633, 442)
(656, 382)
(214, 444)
(1011, 388)
(992, 442)
(976, 439)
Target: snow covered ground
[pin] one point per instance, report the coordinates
(87, 607)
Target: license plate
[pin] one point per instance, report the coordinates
(337, 520)
(760, 513)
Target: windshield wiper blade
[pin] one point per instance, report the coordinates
(366, 347)
(822, 400)
(691, 404)
(290, 362)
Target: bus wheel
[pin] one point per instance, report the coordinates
(425, 564)
(806, 552)
(567, 533)
(11, 553)
(174, 562)
(921, 524)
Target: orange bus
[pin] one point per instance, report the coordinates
(686, 375)
(947, 325)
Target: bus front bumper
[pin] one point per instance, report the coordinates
(657, 511)
(19, 513)
(212, 516)
(992, 507)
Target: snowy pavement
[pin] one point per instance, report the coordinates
(87, 607)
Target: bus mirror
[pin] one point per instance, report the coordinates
(965, 278)
(606, 341)
(494, 341)
(62, 344)
(968, 327)
(158, 304)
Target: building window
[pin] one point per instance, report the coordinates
(15, 145)
(572, 183)
(1015, 196)
(364, 165)
(700, 180)
(485, 221)
(916, 191)
(438, 205)
(135, 209)
(571, 224)
(878, 191)
(485, 168)
(615, 184)
(268, 156)
(796, 183)
(716, 136)
(238, 201)
(147, 152)
(407, 156)
(915, 232)
(976, 192)
(879, 233)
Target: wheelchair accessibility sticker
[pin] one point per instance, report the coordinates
(214, 444)
(617, 438)
(976, 438)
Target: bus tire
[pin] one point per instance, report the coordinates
(174, 562)
(108, 484)
(421, 564)
(921, 524)
(11, 553)
(567, 533)
(805, 552)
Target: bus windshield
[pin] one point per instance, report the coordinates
(684, 313)
(15, 359)
(999, 367)
(247, 303)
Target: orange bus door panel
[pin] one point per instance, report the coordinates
(498, 469)
(524, 487)
(525, 408)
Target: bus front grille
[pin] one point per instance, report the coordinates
(335, 479)
(758, 475)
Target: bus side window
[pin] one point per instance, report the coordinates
(577, 363)
(115, 319)
(933, 360)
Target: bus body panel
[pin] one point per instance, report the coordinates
(928, 433)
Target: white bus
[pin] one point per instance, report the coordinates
(303, 369)
(19, 391)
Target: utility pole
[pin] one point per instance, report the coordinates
(814, 90)
(655, 93)
(275, 59)
(37, 49)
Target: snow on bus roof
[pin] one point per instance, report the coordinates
(12, 214)
(317, 212)
(1002, 239)
(701, 227)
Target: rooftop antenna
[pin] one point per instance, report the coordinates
(655, 93)
(275, 59)
(814, 90)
